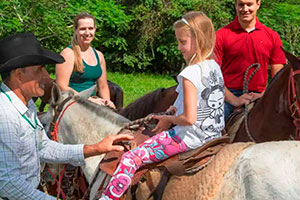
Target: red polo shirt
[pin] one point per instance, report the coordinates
(236, 49)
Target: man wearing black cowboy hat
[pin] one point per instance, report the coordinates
(23, 141)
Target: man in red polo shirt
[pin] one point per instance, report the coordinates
(241, 43)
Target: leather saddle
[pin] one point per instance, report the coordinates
(181, 164)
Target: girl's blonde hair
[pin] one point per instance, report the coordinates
(78, 64)
(201, 27)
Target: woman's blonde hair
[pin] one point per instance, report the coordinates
(78, 64)
(201, 27)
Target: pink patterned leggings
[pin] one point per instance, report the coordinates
(156, 149)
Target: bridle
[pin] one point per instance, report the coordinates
(294, 105)
(58, 113)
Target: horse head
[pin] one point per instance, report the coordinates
(57, 98)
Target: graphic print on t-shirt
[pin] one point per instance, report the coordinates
(212, 104)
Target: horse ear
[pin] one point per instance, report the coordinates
(55, 94)
(293, 60)
(85, 94)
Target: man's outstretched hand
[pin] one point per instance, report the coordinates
(106, 145)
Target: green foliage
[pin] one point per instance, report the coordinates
(153, 45)
(52, 22)
(137, 35)
(285, 19)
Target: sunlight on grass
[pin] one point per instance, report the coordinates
(137, 85)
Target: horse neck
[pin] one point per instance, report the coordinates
(270, 120)
(81, 124)
(157, 101)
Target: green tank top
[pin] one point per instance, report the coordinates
(82, 81)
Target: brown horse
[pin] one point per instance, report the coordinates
(116, 94)
(154, 102)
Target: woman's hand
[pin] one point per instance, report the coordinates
(109, 103)
(103, 102)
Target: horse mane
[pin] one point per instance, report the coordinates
(144, 104)
(275, 78)
(102, 111)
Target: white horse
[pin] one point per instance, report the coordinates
(82, 122)
(264, 171)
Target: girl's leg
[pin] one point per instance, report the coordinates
(158, 148)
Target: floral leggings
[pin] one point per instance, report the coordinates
(156, 149)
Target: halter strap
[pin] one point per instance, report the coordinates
(53, 130)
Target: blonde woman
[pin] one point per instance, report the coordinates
(84, 66)
(199, 106)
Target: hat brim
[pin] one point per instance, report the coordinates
(45, 57)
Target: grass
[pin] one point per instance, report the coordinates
(137, 85)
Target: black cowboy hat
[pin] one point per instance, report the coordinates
(21, 50)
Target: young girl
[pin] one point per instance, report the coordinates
(199, 105)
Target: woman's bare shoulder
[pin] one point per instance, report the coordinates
(67, 52)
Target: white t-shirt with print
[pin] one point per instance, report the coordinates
(207, 78)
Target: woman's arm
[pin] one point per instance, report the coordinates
(63, 71)
(102, 81)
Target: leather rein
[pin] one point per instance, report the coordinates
(294, 105)
(245, 90)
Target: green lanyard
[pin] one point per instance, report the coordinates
(23, 115)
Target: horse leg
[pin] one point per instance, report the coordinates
(119, 98)
(116, 94)
(42, 106)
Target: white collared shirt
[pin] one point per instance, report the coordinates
(23, 145)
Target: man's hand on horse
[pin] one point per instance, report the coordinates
(256, 95)
(163, 123)
(244, 99)
(106, 145)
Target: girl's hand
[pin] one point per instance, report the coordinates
(171, 110)
(163, 123)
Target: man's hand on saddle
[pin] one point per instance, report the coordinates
(109, 143)
(163, 123)
(103, 102)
